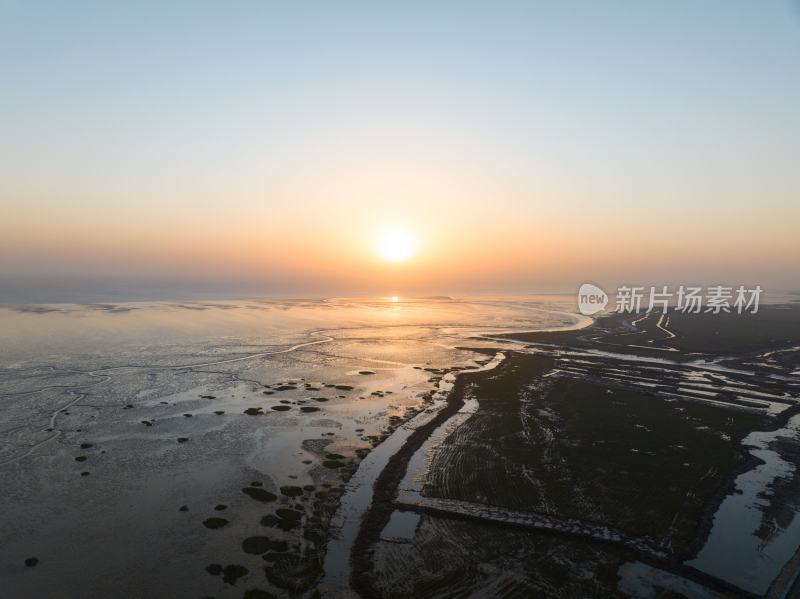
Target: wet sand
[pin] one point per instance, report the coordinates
(171, 450)
(172, 454)
(708, 388)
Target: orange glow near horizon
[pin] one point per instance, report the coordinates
(393, 223)
(500, 162)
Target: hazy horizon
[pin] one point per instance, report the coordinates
(273, 149)
(400, 299)
(80, 291)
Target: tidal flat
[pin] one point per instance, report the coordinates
(428, 448)
(201, 449)
(629, 458)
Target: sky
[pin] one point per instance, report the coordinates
(271, 148)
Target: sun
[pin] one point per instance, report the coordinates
(396, 245)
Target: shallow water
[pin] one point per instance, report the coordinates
(133, 380)
(733, 551)
(358, 495)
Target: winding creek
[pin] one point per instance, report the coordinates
(358, 496)
(733, 551)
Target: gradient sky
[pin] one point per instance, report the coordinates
(529, 146)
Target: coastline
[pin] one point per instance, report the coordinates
(388, 483)
(376, 462)
(385, 490)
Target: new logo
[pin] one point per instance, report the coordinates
(591, 299)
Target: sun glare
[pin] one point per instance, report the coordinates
(396, 245)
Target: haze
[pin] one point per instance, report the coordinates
(261, 148)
